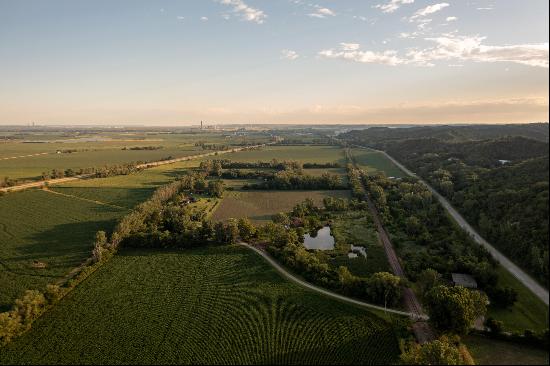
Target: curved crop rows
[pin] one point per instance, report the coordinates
(220, 305)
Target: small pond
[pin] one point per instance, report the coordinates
(322, 241)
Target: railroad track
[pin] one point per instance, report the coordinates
(421, 329)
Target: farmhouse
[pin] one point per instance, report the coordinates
(464, 280)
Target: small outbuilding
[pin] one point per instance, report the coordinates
(464, 280)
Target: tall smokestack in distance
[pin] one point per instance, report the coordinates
(201, 125)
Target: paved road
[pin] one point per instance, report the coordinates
(141, 166)
(320, 290)
(517, 272)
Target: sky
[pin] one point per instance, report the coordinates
(176, 62)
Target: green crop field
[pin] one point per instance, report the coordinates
(374, 161)
(261, 205)
(201, 306)
(125, 190)
(493, 352)
(51, 228)
(306, 153)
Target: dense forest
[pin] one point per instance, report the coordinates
(499, 185)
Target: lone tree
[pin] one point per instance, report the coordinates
(455, 308)
(100, 246)
(384, 288)
(246, 229)
(428, 279)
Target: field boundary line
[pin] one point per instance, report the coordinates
(325, 292)
(25, 156)
(506, 263)
(84, 199)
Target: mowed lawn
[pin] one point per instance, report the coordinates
(529, 312)
(494, 352)
(374, 162)
(212, 305)
(50, 228)
(260, 206)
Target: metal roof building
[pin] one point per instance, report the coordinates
(465, 280)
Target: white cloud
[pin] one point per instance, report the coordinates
(326, 11)
(350, 46)
(428, 10)
(451, 47)
(179, 17)
(289, 55)
(321, 13)
(448, 47)
(392, 5)
(451, 19)
(204, 19)
(351, 52)
(486, 8)
(246, 12)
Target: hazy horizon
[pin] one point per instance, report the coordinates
(170, 63)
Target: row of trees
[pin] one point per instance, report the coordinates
(196, 182)
(98, 172)
(292, 180)
(214, 167)
(151, 148)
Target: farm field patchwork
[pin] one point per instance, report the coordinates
(100, 149)
(52, 229)
(206, 305)
(32, 167)
(374, 162)
(260, 206)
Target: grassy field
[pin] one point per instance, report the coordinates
(309, 154)
(357, 228)
(51, 228)
(202, 306)
(32, 167)
(259, 206)
(529, 312)
(374, 162)
(493, 352)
